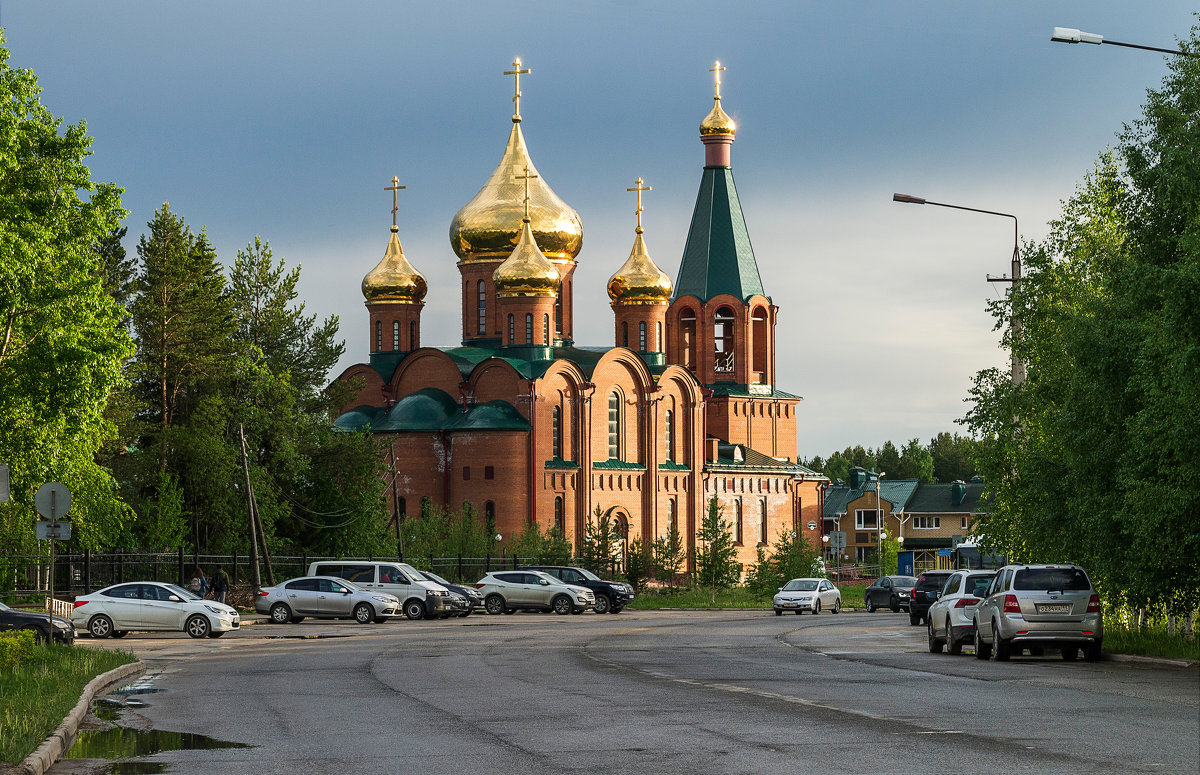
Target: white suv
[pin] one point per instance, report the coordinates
(951, 618)
(505, 592)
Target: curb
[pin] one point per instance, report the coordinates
(63, 737)
(1151, 661)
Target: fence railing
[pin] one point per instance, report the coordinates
(74, 574)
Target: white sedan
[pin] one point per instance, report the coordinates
(808, 595)
(151, 605)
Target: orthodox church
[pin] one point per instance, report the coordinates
(530, 427)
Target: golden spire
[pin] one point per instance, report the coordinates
(639, 280)
(394, 278)
(527, 272)
(717, 122)
(516, 73)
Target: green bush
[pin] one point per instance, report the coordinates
(16, 646)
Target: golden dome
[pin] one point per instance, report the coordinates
(489, 226)
(639, 280)
(717, 122)
(526, 272)
(393, 278)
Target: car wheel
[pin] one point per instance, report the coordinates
(816, 609)
(364, 613)
(215, 634)
(616, 609)
(296, 619)
(952, 646)
(511, 611)
(280, 613)
(100, 626)
(562, 605)
(778, 612)
(982, 650)
(414, 609)
(494, 604)
(118, 633)
(935, 643)
(1092, 652)
(1001, 649)
(1070, 653)
(39, 637)
(894, 605)
(913, 619)
(837, 606)
(603, 604)
(197, 626)
(870, 607)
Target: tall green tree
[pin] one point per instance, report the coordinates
(791, 556)
(61, 345)
(888, 460)
(670, 553)
(601, 541)
(952, 456)
(716, 558)
(916, 462)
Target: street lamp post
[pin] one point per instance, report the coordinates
(1018, 368)
(879, 521)
(1071, 35)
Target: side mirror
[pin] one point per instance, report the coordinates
(175, 599)
(345, 591)
(544, 583)
(779, 590)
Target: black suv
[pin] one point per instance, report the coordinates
(611, 596)
(924, 593)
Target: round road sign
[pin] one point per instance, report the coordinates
(53, 499)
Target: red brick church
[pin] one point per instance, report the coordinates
(528, 426)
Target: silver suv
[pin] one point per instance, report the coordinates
(510, 591)
(1033, 606)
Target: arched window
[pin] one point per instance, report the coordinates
(378, 335)
(624, 334)
(559, 526)
(671, 514)
(669, 434)
(642, 336)
(737, 522)
(395, 334)
(528, 328)
(723, 345)
(402, 507)
(482, 307)
(614, 426)
(546, 330)
(758, 332)
(512, 330)
(558, 311)
(556, 431)
(687, 339)
(658, 342)
(412, 334)
(762, 521)
(489, 517)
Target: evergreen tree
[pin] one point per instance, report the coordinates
(716, 563)
(916, 462)
(669, 554)
(952, 455)
(792, 556)
(601, 542)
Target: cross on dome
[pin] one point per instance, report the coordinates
(394, 188)
(516, 73)
(716, 71)
(639, 188)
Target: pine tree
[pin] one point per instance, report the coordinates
(716, 566)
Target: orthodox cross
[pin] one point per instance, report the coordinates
(639, 188)
(526, 177)
(394, 188)
(716, 71)
(516, 73)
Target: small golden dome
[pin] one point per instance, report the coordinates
(526, 272)
(717, 122)
(393, 278)
(489, 226)
(639, 280)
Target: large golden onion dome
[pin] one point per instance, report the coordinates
(639, 280)
(717, 122)
(527, 271)
(393, 278)
(489, 227)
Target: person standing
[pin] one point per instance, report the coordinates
(199, 583)
(220, 585)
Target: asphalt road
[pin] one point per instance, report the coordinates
(657, 692)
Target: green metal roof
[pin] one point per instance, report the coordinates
(612, 464)
(897, 492)
(743, 391)
(750, 460)
(356, 419)
(936, 499)
(718, 257)
(427, 409)
(492, 416)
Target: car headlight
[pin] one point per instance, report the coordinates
(216, 610)
(439, 592)
(384, 599)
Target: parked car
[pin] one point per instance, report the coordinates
(325, 597)
(951, 618)
(802, 595)
(421, 597)
(611, 596)
(151, 605)
(45, 628)
(472, 596)
(1035, 606)
(924, 592)
(889, 591)
(510, 591)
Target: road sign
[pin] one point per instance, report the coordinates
(3, 483)
(837, 540)
(60, 531)
(53, 500)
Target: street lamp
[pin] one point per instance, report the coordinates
(1071, 35)
(1018, 368)
(879, 521)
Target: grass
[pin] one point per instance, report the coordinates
(1152, 641)
(654, 598)
(36, 695)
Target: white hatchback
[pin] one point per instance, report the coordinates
(151, 605)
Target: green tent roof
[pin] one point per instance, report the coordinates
(718, 257)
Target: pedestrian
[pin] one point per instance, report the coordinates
(199, 583)
(220, 585)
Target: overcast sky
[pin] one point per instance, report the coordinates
(287, 119)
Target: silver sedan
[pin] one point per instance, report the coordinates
(808, 595)
(325, 597)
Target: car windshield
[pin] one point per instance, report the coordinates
(587, 574)
(183, 593)
(410, 570)
(977, 583)
(434, 577)
(800, 585)
(1066, 579)
(3, 607)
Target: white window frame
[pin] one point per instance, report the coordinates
(860, 523)
(927, 523)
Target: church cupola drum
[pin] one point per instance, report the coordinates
(640, 292)
(394, 293)
(488, 228)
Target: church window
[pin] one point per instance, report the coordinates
(378, 335)
(658, 336)
(559, 527)
(412, 334)
(466, 473)
(614, 426)
(762, 521)
(489, 516)
(489, 472)
(669, 434)
(558, 312)
(528, 328)
(737, 522)
(671, 514)
(556, 432)
(545, 329)
(642, 336)
(512, 331)
(687, 339)
(624, 334)
(395, 334)
(723, 345)
(758, 335)
(482, 308)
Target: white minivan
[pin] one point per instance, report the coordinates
(421, 598)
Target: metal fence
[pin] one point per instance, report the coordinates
(76, 574)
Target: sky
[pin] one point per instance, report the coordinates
(286, 120)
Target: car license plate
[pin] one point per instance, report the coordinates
(1054, 608)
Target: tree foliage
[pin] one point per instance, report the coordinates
(791, 556)
(716, 563)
